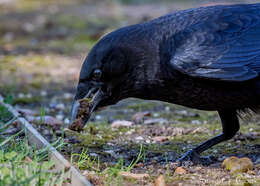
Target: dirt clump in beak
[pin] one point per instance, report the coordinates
(83, 113)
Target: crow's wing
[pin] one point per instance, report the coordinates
(224, 47)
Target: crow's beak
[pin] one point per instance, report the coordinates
(96, 96)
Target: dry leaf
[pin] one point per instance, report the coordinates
(180, 170)
(160, 138)
(236, 165)
(27, 159)
(121, 123)
(160, 181)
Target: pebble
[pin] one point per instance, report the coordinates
(29, 95)
(156, 115)
(60, 106)
(98, 117)
(43, 93)
(20, 95)
(139, 138)
(45, 132)
(68, 96)
(59, 117)
(66, 121)
(195, 122)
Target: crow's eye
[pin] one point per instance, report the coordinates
(97, 74)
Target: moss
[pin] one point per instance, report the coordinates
(27, 100)
(71, 22)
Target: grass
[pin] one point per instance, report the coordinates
(22, 164)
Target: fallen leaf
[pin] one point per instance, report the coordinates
(180, 170)
(160, 138)
(139, 116)
(160, 181)
(237, 165)
(121, 123)
(129, 175)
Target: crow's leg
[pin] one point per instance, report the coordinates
(230, 126)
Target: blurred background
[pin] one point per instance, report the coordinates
(44, 42)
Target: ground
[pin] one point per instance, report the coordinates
(42, 48)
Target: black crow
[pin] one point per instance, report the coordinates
(205, 58)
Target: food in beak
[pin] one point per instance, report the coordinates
(84, 111)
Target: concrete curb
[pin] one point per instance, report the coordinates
(35, 138)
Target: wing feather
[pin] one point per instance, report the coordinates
(226, 48)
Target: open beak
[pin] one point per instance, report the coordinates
(96, 95)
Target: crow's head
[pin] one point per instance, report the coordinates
(113, 70)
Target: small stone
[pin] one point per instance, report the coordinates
(21, 95)
(60, 106)
(43, 93)
(29, 95)
(98, 117)
(66, 121)
(129, 175)
(195, 122)
(139, 138)
(180, 170)
(160, 181)
(156, 115)
(67, 96)
(59, 117)
(45, 132)
(121, 123)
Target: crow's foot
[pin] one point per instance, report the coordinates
(189, 158)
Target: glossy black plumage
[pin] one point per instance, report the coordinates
(206, 58)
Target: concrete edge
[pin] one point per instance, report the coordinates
(35, 138)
